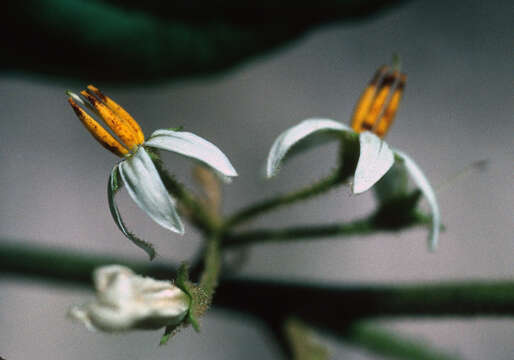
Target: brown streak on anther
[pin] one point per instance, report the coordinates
(379, 101)
(98, 132)
(120, 112)
(118, 126)
(391, 109)
(365, 102)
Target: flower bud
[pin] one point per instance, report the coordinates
(126, 301)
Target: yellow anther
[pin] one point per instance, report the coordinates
(123, 131)
(121, 112)
(376, 109)
(385, 122)
(366, 99)
(98, 132)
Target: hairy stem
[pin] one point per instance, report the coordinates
(269, 298)
(252, 211)
(188, 204)
(363, 226)
(261, 236)
(212, 267)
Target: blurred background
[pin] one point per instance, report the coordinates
(457, 109)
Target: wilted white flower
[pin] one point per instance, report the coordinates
(137, 170)
(126, 301)
(372, 117)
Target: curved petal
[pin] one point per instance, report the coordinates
(114, 185)
(145, 187)
(422, 182)
(375, 159)
(193, 146)
(293, 136)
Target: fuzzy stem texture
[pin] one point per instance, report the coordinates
(269, 298)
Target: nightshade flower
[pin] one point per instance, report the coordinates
(372, 118)
(126, 301)
(136, 170)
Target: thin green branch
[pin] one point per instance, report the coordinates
(188, 204)
(363, 226)
(384, 343)
(212, 267)
(261, 236)
(252, 211)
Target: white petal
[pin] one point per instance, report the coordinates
(114, 185)
(422, 182)
(193, 146)
(375, 160)
(292, 136)
(145, 187)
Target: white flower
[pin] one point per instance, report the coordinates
(137, 171)
(125, 301)
(372, 118)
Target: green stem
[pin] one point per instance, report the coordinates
(364, 226)
(261, 236)
(268, 298)
(384, 343)
(212, 267)
(191, 207)
(59, 266)
(252, 211)
(344, 304)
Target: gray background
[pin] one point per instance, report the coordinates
(457, 109)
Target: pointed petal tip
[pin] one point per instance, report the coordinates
(192, 146)
(375, 160)
(359, 188)
(423, 184)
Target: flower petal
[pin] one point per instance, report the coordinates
(145, 187)
(115, 184)
(293, 137)
(375, 159)
(193, 146)
(422, 182)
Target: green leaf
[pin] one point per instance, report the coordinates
(128, 41)
(199, 299)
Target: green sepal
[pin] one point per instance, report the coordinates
(394, 184)
(182, 281)
(398, 212)
(198, 305)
